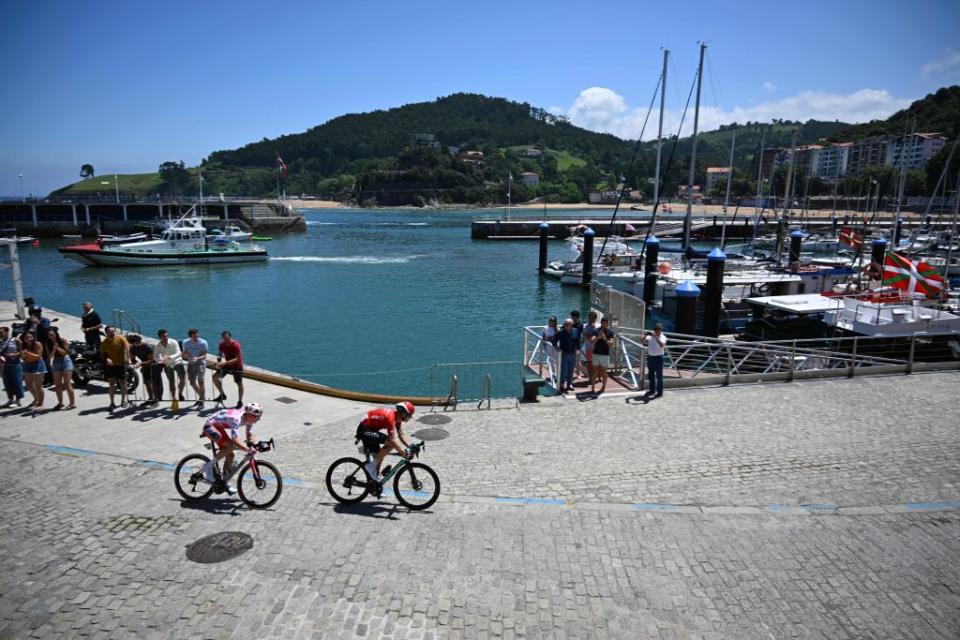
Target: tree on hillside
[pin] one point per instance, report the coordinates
(86, 171)
(174, 178)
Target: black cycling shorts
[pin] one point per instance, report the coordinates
(371, 438)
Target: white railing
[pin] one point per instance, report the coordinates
(697, 360)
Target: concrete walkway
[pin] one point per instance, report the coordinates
(157, 434)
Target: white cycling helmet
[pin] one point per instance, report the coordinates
(405, 408)
(253, 408)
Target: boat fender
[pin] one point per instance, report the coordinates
(665, 268)
(872, 271)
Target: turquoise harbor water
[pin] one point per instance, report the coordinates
(365, 299)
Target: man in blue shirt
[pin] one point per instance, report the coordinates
(567, 340)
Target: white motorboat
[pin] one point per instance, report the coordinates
(229, 234)
(182, 242)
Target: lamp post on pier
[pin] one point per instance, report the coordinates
(22, 199)
(116, 187)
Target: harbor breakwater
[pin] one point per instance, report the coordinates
(53, 219)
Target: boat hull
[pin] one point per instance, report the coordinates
(97, 257)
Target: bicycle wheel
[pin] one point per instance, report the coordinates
(347, 481)
(416, 486)
(188, 477)
(263, 492)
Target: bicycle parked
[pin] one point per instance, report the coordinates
(415, 485)
(258, 482)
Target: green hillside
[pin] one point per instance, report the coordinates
(381, 158)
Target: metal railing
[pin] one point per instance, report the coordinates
(697, 360)
(476, 381)
(121, 316)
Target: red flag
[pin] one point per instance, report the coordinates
(281, 166)
(912, 276)
(850, 238)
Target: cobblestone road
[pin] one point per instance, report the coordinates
(854, 442)
(97, 548)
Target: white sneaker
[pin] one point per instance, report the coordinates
(230, 489)
(208, 472)
(371, 468)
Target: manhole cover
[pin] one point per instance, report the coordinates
(432, 434)
(219, 547)
(434, 418)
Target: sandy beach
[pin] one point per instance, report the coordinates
(625, 210)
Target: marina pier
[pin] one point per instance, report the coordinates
(53, 219)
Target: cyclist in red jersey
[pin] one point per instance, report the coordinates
(382, 431)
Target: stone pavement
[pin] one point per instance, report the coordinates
(815, 509)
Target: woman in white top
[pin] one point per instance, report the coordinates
(549, 349)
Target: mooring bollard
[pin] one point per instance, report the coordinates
(587, 257)
(650, 269)
(687, 295)
(544, 230)
(796, 241)
(713, 297)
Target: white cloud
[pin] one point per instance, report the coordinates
(945, 68)
(602, 109)
(769, 87)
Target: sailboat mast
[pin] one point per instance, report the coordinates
(663, 99)
(726, 200)
(693, 153)
(903, 176)
(952, 237)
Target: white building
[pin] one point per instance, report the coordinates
(920, 147)
(715, 175)
(830, 163)
(530, 178)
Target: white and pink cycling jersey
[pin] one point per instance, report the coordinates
(227, 422)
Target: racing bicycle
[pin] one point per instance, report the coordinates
(415, 485)
(258, 482)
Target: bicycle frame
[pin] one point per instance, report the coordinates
(395, 469)
(250, 457)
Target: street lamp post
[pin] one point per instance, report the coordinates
(22, 199)
(116, 186)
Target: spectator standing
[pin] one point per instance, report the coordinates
(167, 353)
(36, 323)
(602, 342)
(655, 343)
(149, 369)
(232, 364)
(590, 331)
(578, 332)
(12, 367)
(549, 350)
(116, 354)
(195, 351)
(34, 367)
(61, 366)
(568, 343)
(91, 324)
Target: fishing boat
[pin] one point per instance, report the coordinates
(229, 234)
(183, 242)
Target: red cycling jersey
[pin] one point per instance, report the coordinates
(383, 418)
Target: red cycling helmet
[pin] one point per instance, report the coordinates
(405, 408)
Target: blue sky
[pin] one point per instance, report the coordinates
(128, 85)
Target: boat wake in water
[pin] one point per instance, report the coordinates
(349, 259)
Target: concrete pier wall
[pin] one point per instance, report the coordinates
(54, 219)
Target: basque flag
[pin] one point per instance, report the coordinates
(912, 276)
(850, 238)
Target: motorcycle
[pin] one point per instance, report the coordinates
(88, 365)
